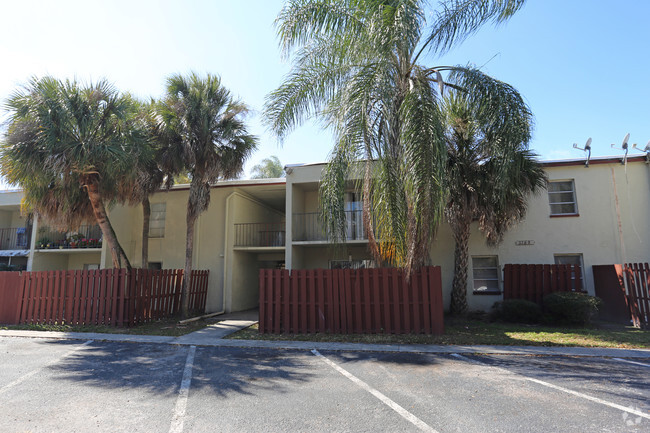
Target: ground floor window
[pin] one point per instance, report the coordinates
(571, 259)
(156, 266)
(351, 264)
(485, 274)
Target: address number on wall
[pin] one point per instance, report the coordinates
(524, 243)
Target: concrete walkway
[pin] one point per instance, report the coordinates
(226, 325)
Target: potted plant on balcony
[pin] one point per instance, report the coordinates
(43, 243)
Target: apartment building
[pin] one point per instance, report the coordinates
(590, 216)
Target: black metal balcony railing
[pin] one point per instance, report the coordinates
(308, 227)
(14, 239)
(87, 236)
(260, 235)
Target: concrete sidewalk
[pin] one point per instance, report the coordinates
(210, 339)
(226, 325)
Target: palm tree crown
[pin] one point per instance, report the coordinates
(69, 146)
(203, 134)
(356, 67)
(270, 167)
(490, 174)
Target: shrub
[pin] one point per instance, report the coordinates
(4, 267)
(517, 311)
(571, 307)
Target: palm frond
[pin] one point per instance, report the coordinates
(458, 19)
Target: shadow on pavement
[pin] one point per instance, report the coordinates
(159, 368)
(617, 379)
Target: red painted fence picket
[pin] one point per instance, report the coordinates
(533, 282)
(115, 297)
(351, 301)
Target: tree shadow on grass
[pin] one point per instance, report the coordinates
(158, 368)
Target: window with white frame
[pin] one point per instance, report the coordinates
(562, 197)
(571, 259)
(157, 220)
(485, 274)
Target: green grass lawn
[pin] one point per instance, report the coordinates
(457, 332)
(474, 332)
(165, 327)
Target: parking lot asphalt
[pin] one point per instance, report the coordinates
(81, 386)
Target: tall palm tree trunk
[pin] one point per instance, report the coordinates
(192, 215)
(187, 272)
(461, 230)
(117, 253)
(146, 215)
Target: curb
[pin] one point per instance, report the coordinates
(339, 347)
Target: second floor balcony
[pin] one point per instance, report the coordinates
(308, 227)
(14, 238)
(85, 237)
(260, 234)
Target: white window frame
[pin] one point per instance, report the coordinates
(572, 191)
(497, 268)
(157, 216)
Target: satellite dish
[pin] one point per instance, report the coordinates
(645, 149)
(587, 148)
(625, 140)
(624, 144)
(587, 145)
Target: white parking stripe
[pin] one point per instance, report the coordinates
(559, 388)
(181, 402)
(35, 371)
(387, 401)
(631, 362)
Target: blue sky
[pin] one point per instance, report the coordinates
(582, 65)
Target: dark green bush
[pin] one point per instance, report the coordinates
(571, 307)
(6, 267)
(517, 311)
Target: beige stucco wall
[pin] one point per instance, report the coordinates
(232, 286)
(77, 260)
(10, 215)
(594, 233)
(10, 198)
(233, 271)
(50, 261)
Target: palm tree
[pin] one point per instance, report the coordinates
(147, 175)
(490, 174)
(203, 134)
(357, 67)
(68, 146)
(270, 167)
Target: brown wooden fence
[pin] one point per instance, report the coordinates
(10, 297)
(351, 301)
(114, 297)
(533, 282)
(637, 277)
